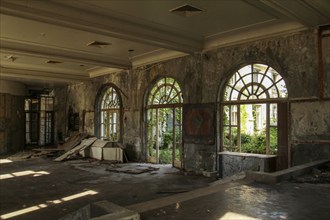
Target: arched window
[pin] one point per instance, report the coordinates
(250, 110)
(110, 115)
(164, 122)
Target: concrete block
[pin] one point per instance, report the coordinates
(113, 154)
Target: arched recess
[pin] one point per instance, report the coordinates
(163, 113)
(108, 113)
(254, 113)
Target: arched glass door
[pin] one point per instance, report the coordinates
(164, 123)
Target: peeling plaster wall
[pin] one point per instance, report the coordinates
(310, 131)
(12, 118)
(201, 77)
(12, 133)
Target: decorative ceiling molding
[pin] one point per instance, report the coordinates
(102, 71)
(37, 50)
(237, 37)
(308, 13)
(40, 75)
(101, 24)
(156, 56)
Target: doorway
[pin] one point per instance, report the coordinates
(164, 123)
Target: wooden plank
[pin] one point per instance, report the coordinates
(84, 144)
(73, 141)
(46, 149)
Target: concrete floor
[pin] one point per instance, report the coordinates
(44, 189)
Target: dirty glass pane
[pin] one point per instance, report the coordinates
(226, 115)
(273, 114)
(245, 70)
(43, 103)
(165, 91)
(110, 99)
(27, 104)
(247, 79)
(178, 133)
(233, 140)
(226, 139)
(259, 68)
(152, 135)
(234, 95)
(35, 104)
(50, 104)
(282, 89)
(273, 140)
(234, 115)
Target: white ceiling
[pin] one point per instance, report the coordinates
(34, 32)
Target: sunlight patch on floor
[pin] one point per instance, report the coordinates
(43, 205)
(23, 173)
(236, 216)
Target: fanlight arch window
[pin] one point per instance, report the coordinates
(250, 110)
(165, 91)
(110, 115)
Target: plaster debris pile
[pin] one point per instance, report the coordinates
(83, 145)
(134, 169)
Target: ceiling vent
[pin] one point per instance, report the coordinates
(186, 11)
(53, 62)
(98, 44)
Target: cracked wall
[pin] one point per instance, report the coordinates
(201, 77)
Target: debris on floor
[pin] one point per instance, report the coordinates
(320, 174)
(22, 155)
(73, 141)
(46, 152)
(74, 151)
(132, 169)
(82, 145)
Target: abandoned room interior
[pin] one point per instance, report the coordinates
(154, 109)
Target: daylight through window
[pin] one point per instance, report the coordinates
(249, 110)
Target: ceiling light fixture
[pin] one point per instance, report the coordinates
(98, 44)
(186, 10)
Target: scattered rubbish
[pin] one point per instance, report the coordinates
(319, 174)
(47, 152)
(132, 170)
(172, 191)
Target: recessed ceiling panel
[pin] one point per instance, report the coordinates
(30, 31)
(217, 16)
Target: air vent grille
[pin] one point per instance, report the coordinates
(98, 44)
(53, 62)
(186, 10)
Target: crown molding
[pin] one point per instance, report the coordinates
(11, 73)
(65, 14)
(63, 54)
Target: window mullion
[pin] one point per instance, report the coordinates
(267, 128)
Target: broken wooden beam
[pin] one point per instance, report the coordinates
(84, 144)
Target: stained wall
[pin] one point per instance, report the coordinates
(202, 78)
